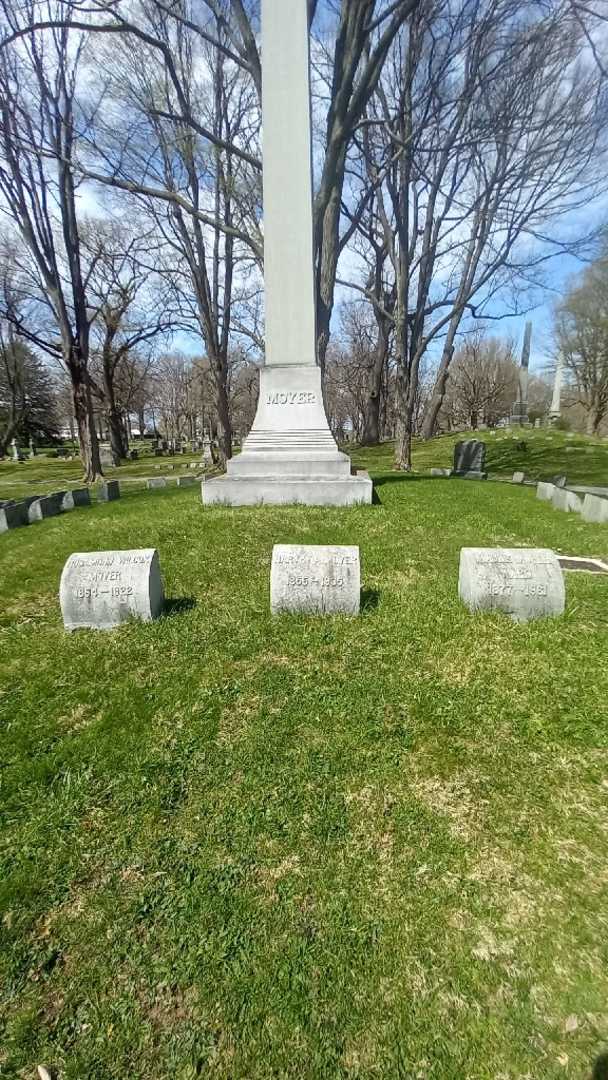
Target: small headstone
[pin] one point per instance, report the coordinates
(315, 579)
(519, 477)
(15, 450)
(12, 515)
(566, 500)
(156, 482)
(595, 508)
(102, 589)
(470, 459)
(32, 448)
(109, 491)
(545, 491)
(525, 583)
(195, 465)
(169, 468)
(559, 481)
(106, 456)
(46, 506)
(441, 472)
(583, 564)
(76, 497)
(186, 481)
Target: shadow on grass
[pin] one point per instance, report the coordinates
(600, 1068)
(177, 605)
(403, 478)
(370, 598)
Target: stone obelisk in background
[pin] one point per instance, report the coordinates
(555, 411)
(519, 414)
(290, 454)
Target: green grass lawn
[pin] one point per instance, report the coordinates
(546, 453)
(246, 848)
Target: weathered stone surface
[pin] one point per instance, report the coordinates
(102, 589)
(544, 491)
(315, 579)
(156, 482)
(441, 472)
(46, 506)
(566, 500)
(470, 459)
(12, 515)
(109, 491)
(525, 583)
(519, 477)
(595, 508)
(559, 481)
(76, 497)
(186, 481)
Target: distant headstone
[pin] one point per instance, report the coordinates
(470, 459)
(595, 508)
(76, 497)
(315, 579)
(186, 481)
(106, 456)
(133, 455)
(559, 481)
(102, 589)
(545, 491)
(519, 477)
(525, 583)
(46, 506)
(32, 448)
(15, 450)
(195, 465)
(441, 472)
(156, 482)
(170, 468)
(12, 515)
(109, 491)
(566, 500)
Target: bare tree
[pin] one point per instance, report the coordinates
(581, 329)
(483, 382)
(38, 82)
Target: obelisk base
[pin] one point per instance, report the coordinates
(290, 455)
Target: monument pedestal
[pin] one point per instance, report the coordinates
(290, 455)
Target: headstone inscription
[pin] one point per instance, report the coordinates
(102, 589)
(562, 499)
(595, 508)
(76, 497)
(12, 515)
(109, 491)
(46, 506)
(156, 482)
(315, 579)
(470, 459)
(525, 583)
(544, 491)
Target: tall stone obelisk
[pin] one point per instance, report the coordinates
(290, 454)
(519, 414)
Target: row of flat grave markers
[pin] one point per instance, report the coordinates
(591, 507)
(102, 589)
(14, 513)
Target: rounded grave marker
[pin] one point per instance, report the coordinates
(525, 583)
(315, 579)
(102, 589)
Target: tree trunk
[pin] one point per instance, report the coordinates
(87, 435)
(371, 424)
(429, 424)
(224, 425)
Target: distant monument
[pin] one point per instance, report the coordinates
(519, 414)
(555, 411)
(290, 454)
